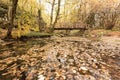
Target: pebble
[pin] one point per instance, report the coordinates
(41, 77)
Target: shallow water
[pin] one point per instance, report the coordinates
(14, 49)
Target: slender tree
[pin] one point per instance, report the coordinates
(11, 16)
(41, 22)
(57, 15)
(52, 10)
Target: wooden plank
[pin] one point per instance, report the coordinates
(70, 28)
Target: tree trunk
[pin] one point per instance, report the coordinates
(51, 17)
(41, 22)
(57, 15)
(11, 16)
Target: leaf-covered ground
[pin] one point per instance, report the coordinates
(62, 58)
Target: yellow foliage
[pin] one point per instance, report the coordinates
(29, 5)
(16, 33)
(20, 31)
(35, 28)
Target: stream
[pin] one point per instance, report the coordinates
(60, 58)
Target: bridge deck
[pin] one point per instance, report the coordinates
(75, 26)
(70, 28)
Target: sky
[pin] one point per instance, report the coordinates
(48, 6)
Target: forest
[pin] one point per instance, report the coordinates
(59, 39)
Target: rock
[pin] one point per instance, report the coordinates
(41, 77)
(84, 70)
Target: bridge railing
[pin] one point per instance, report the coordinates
(77, 25)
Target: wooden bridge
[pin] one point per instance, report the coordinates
(75, 26)
(70, 28)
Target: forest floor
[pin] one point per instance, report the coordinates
(62, 58)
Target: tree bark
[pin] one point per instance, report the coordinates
(57, 15)
(41, 22)
(11, 15)
(51, 17)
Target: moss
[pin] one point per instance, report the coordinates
(37, 34)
